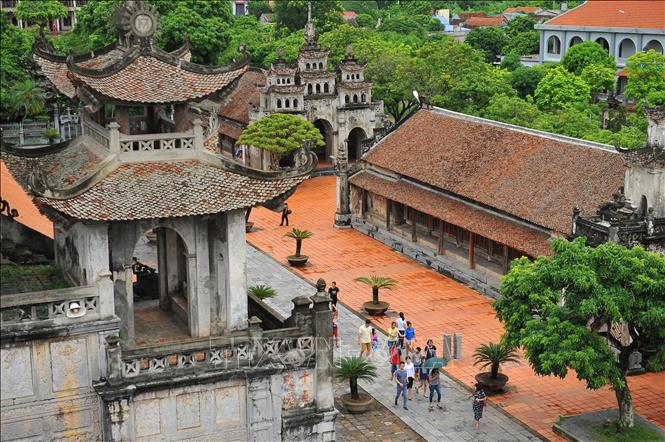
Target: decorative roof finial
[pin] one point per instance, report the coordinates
(309, 12)
(311, 39)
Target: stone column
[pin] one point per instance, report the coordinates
(325, 399)
(114, 137)
(172, 258)
(122, 118)
(180, 116)
(236, 256)
(162, 270)
(343, 212)
(198, 134)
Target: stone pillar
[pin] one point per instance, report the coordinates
(343, 212)
(105, 292)
(199, 305)
(164, 300)
(180, 117)
(113, 360)
(114, 138)
(172, 257)
(236, 261)
(325, 399)
(122, 118)
(198, 134)
(118, 415)
(300, 314)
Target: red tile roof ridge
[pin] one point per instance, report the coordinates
(601, 13)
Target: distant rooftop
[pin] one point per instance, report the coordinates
(644, 14)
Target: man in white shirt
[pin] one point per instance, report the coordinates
(365, 338)
(401, 326)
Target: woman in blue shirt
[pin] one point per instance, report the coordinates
(409, 336)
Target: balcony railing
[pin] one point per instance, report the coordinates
(96, 132)
(152, 142)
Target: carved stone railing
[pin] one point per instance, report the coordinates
(152, 142)
(47, 308)
(96, 132)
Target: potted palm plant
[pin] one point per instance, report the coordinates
(354, 368)
(376, 307)
(493, 355)
(51, 134)
(298, 260)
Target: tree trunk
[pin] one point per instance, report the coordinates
(626, 412)
(495, 370)
(375, 295)
(353, 383)
(298, 246)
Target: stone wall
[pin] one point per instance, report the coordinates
(19, 240)
(81, 251)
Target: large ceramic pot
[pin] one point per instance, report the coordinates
(297, 261)
(377, 309)
(491, 385)
(355, 406)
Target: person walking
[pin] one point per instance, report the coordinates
(333, 291)
(409, 337)
(434, 386)
(375, 341)
(365, 338)
(392, 335)
(400, 380)
(479, 402)
(422, 375)
(401, 325)
(430, 349)
(335, 327)
(395, 359)
(410, 374)
(285, 215)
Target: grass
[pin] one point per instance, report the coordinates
(15, 278)
(642, 433)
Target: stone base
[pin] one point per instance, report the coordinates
(342, 221)
(580, 428)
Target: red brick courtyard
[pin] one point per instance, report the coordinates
(436, 305)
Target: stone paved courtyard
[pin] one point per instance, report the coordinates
(437, 305)
(454, 423)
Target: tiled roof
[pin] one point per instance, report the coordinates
(504, 231)
(147, 79)
(532, 175)
(476, 22)
(523, 9)
(169, 189)
(56, 72)
(645, 14)
(246, 91)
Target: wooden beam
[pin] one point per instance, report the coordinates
(412, 216)
(472, 246)
(505, 259)
(442, 251)
(389, 205)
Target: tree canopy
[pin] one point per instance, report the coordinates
(40, 11)
(15, 49)
(560, 89)
(584, 54)
(292, 14)
(561, 309)
(488, 40)
(646, 77)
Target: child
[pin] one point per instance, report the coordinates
(335, 328)
(375, 340)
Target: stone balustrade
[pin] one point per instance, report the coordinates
(48, 308)
(97, 132)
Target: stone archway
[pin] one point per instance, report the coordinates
(354, 143)
(326, 130)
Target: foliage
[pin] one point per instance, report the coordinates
(525, 80)
(292, 14)
(519, 25)
(584, 54)
(206, 23)
(27, 98)
(354, 368)
(513, 110)
(94, 28)
(645, 73)
(51, 134)
(262, 291)
(489, 40)
(560, 89)
(598, 77)
(549, 306)
(40, 11)
(31, 277)
(377, 282)
(609, 433)
(511, 62)
(259, 7)
(525, 43)
(299, 236)
(257, 38)
(15, 51)
(572, 122)
(493, 355)
(281, 134)
(628, 137)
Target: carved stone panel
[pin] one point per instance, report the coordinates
(297, 389)
(188, 410)
(147, 417)
(230, 404)
(69, 364)
(16, 369)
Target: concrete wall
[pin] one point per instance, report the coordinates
(650, 183)
(47, 388)
(82, 251)
(23, 237)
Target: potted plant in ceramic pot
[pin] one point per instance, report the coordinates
(493, 355)
(354, 368)
(376, 307)
(51, 135)
(298, 260)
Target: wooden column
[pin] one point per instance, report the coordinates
(122, 118)
(472, 246)
(430, 224)
(412, 217)
(389, 205)
(442, 251)
(505, 259)
(363, 203)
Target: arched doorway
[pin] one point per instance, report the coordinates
(326, 130)
(653, 45)
(575, 41)
(354, 143)
(626, 48)
(603, 43)
(553, 45)
(160, 287)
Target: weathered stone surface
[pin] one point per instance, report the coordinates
(69, 365)
(16, 368)
(147, 417)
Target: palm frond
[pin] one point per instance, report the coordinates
(488, 354)
(355, 367)
(299, 234)
(374, 281)
(262, 291)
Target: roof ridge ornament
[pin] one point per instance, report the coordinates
(136, 23)
(311, 38)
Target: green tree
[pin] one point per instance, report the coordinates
(512, 110)
(525, 80)
(94, 28)
(519, 25)
(257, 37)
(646, 72)
(27, 98)
(40, 12)
(488, 40)
(525, 43)
(281, 134)
(560, 89)
(15, 52)
(571, 122)
(599, 78)
(511, 62)
(560, 309)
(584, 54)
(259, 7)
(292, 14)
